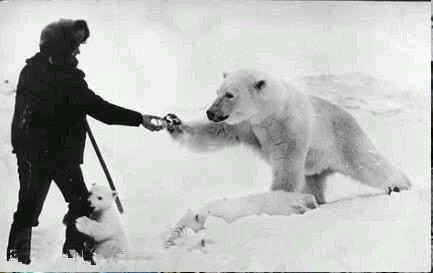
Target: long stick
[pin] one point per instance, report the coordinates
(104, 166)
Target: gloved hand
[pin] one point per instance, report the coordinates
(153, 123)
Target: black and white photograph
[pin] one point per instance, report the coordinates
(215, 136)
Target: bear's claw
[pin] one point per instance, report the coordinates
(389, 190)
(172, 123)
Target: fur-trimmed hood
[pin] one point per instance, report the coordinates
(58, 39)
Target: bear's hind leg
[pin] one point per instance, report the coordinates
(375, 171)
(316, 185)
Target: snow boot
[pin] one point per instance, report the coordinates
(19, 245)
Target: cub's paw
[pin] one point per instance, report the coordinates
(310, 202)
(83, 224)
(300, 209)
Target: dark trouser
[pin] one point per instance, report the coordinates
(35, 179)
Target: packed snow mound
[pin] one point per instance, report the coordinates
(349, 235)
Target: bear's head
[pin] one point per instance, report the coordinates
(101, 198)
(245, 95)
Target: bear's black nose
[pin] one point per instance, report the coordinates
(211, 115)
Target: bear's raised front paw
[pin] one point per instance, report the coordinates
(173, 124)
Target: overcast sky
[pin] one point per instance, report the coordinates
(180, 48)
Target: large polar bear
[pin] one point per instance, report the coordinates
(304, 138)
(104, 225)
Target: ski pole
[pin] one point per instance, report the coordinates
(104, 166)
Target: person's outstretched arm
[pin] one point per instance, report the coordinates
(104, 111)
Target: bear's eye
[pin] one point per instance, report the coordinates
(229, 95)
(99, 198)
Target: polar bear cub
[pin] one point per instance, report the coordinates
(104, 224)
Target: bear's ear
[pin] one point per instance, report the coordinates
(259, 85)
(225, 75)
(114, 193)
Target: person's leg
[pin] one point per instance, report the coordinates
(34, 185)
(71, 183)
(70, 180)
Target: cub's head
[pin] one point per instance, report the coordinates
(243, 95)
(101, 198)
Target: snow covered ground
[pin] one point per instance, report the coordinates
(156, 57)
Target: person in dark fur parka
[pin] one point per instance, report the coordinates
(48, 129)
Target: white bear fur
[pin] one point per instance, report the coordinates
(304, 138)
(104, 225)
